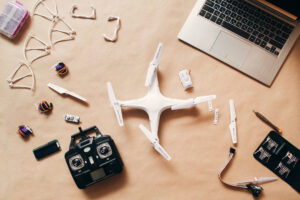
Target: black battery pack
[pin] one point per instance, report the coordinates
(46, 149)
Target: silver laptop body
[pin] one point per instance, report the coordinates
(255, 56)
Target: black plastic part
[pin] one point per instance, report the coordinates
(232, 150)
(255, 190)
(46, 149)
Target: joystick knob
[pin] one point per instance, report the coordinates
(76, 162)
(104, 150)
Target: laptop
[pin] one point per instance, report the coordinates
(252, 36)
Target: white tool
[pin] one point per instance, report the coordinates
(61, 90)
(232, 125)
(258, 180)
(153, 103)
(72, 118)
(185, 79)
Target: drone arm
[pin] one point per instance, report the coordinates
(183, 104)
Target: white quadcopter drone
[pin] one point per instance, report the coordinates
(153, 103)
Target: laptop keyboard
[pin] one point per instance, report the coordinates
(249, 22)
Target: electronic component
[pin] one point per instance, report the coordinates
(92, 159)
(185, 79)
(12, 18)
(72, 118)
(46, 149)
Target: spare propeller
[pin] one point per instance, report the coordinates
(155, 143)
(192, 102)
(115, 104)
(153, 65)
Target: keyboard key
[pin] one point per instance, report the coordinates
(227, 12)
(217, 13)
(249, 30)
(219, 21)
(244, 20)
(222, 16)
(276, 53)
(271, 35)
(235, 30)
(234, 9)
(257, 41)
(244, 27)
(273, 49)
(240, 12)
(266, 32)
(285, 36)
(227, 19)
(233, 21)
(276, 44)
(255, 26)
(217, 7)
(238, 18)
(213, 18)
(233, 15)
(279, 39)
(202, 12)
(239, 24)
(229, 6)
(252, 38)
(278, 32)
(260, 35)
(208, 9)
(266, 39)
(222, 9)
(209, 3)
(255, 33)
(218, 1)
(235, 3)
(267, 48)
(208, 15)
(286, 29)
(263, 44)
(250, 23)
(224, 4)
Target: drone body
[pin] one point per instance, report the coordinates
(153, 103)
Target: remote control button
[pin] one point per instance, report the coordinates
(86, 149)
(104, 150)
(76, 162)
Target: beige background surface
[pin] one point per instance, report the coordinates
(198, 148)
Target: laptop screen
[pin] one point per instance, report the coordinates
(291, 6)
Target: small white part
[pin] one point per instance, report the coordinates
(87, 149)
(61, 90)
(115, 104)
(155, 143)
(153, 65)
(117, 27)
(210, 106)
(92, 16)
(45, 48)
(72, 118)
(232, 125)
(216, 118)
(12, 80)
(91, 160)
(185, 79)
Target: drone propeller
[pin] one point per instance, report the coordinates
(155, 143)
(153, 65)
(192, 102)
(115, 104)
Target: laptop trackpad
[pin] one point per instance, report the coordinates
(230, 49)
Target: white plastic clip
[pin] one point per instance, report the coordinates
(117, 27)
(185, 79)
(216, 118)
(92, 16)
(210, 106)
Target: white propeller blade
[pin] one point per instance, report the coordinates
(192, 102)
(153, 65)
(232, 125)
(198, 100)
(115, 104)
(188, 104)
(154, 142)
